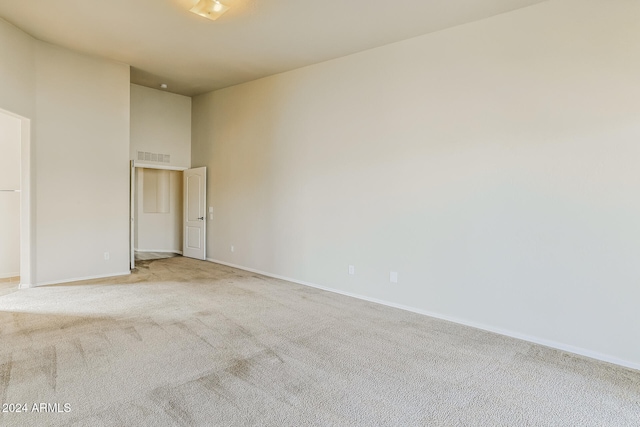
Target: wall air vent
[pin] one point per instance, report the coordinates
(145, 156)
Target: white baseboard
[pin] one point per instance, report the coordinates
(524, 337)
(8, 275)
(76, 279)
(161, 251)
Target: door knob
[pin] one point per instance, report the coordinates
(201, 218)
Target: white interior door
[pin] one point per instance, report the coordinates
(195, 226)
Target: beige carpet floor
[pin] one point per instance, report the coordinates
(183, 342)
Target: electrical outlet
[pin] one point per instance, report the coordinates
(233, 249)
(352, 270)
(106, 256)
(393, 277)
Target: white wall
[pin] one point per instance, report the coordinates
(161, 123)
(493, 165)
(78, 150)
(82, 134)
(9, 201)
(17, 70)
(159, 232)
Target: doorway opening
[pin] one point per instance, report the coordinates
(157, 213)
(167, 212)
(15, 202)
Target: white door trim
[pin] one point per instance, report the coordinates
(137, 164)
(132, 215)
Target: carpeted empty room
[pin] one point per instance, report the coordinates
(407, 213)
(186, 342)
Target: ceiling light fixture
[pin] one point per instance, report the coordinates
(210, 9)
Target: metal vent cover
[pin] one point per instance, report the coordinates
(154, 157)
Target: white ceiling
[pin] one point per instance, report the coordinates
(165, 43)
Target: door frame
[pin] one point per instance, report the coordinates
(132, 181)
(27, 204)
